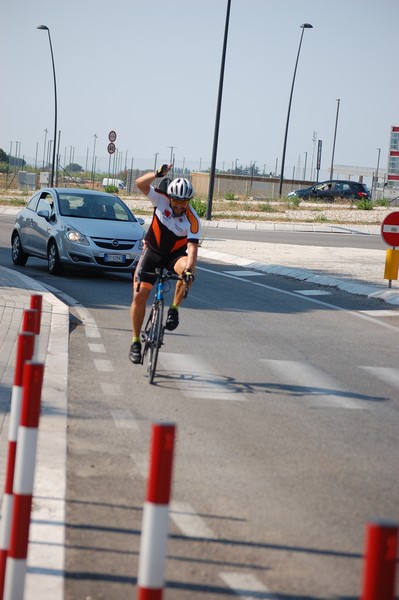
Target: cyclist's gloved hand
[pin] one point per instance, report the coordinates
(161, 172)
(188, 277)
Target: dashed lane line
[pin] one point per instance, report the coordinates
(312, 383)
(246, 586)
(197, 379)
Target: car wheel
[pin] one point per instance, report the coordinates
(18, 255)
(54, 263)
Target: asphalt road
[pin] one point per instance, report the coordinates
(298, 238)
(286, 407)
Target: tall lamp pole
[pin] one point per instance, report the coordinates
(208, 215)
(45, 28)
(335, 137)
(376, 174)
(303, 27)
(93, 176)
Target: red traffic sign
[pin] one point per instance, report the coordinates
(112, 136)
(390, 229)
(111, 148)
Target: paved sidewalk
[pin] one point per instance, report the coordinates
(46, 547)
(354, 270)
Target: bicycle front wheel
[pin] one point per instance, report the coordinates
(154, 340)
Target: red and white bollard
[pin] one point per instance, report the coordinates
(154, 532)
(25, 345)
(36, 304)
(380, 563)
(23, 481)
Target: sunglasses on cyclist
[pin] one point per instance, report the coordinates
(179, 201)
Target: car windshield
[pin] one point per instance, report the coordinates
(93, 206)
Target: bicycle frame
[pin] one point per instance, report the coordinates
(153, 332)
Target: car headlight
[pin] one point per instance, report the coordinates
(77, 237)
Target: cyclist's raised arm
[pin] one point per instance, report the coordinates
(144, 182)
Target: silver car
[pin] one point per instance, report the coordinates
(77, 227)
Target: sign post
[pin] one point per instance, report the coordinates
(111, 149)
(390, 235)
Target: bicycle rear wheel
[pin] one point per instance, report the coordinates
(154, 339)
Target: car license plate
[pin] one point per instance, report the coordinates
(121, 258)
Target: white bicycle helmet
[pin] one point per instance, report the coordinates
(180, 189)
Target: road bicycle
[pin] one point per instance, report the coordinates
(153, 332)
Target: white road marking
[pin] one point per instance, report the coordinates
(141, 463)
(244, 273)
(104, 366)
(92, 331)
(98, 348)
(354, 313)
(123, 419)
(197, 379)
(384, 374)
(313, 292)
(189, 522)
(111, 389)
(246, 585)
(379, 313)
(312, 383)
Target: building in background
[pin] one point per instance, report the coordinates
(393, 158)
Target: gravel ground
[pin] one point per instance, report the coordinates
(246, 210)
(312, 214)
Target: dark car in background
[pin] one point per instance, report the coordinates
(78, 227)
(334, 188)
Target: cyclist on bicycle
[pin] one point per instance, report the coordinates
(171, 242)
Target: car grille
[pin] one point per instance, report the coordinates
(114, 243)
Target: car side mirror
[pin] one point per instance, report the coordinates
(45, 214)
(140, 220)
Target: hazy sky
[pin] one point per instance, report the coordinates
(150, 71)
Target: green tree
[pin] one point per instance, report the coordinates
(3, 156)
(74, 168)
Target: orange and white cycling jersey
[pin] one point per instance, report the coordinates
(168, 234)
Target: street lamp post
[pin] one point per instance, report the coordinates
(304, 168)
(335, 137)
(303, 27)
(376, 175)
(217, 121)
(45, 28)
(93, 164)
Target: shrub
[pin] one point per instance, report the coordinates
(266, 207)
(364, 204)
(199, 206)
(230, 196)
(295, 201)
(382, 202)
(111, 189)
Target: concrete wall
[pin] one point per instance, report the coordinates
(256, 187)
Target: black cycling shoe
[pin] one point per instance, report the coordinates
(173, 319)
(135, 353)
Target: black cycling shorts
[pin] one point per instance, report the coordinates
(150, 260)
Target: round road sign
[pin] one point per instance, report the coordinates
(112, 136)
(111, 148)
(390, 229)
